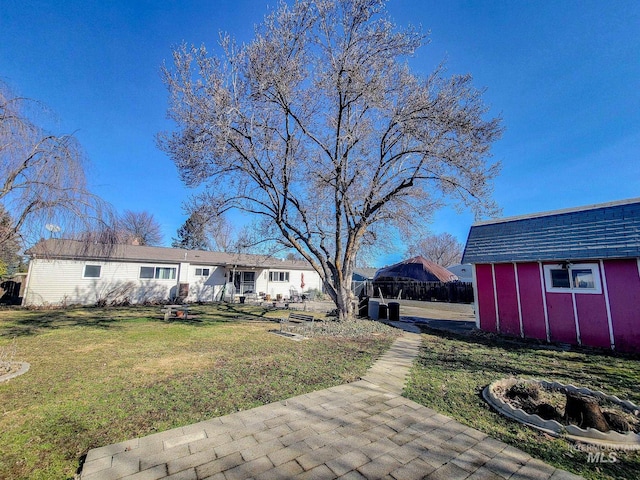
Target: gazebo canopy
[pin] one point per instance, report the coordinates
(417, 269)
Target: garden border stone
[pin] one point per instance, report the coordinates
(24, 368)
(612, 440)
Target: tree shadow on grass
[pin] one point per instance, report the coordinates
(21, 322)
(33, 322)
(224, 313)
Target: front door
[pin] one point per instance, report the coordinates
(245, 282)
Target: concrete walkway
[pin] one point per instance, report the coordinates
(361, 430)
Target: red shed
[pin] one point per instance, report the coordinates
(570, 276)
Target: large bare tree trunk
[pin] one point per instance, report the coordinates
(344, 302)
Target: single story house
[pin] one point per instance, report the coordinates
(73, 272)
(361, 281)
(462, 271)
(569, 276)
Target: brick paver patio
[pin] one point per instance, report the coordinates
(362, 430)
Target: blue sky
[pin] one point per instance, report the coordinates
(564, 76)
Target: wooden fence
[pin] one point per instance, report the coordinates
(453, 292)
(10, 292)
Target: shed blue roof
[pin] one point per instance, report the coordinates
(610, 230)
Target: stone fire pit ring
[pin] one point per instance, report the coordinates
(612, 440)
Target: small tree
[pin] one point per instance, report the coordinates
(319, 126)
(9, 245)
(204, 230)
(443, 249)
(140, 228)
(192, 235)
(42, 177)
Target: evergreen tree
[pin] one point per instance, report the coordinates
(9, 245)
(192, 235)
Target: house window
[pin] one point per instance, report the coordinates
(92, 271)
(165, 273)
(278, 276)
(202, 272)
(147, 272)
(162, 273)
(579, 278)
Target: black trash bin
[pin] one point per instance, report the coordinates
(242, 299)
(382, 311)
(394, 311)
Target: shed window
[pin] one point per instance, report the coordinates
(92, 271)
(582, 278)
(560, 278)
(579, 278)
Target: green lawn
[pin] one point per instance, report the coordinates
(452, 371)
(100, 376)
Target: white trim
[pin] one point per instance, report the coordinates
(575, 316)
(543, 291)
(605, 288)
(515, 272)
(495, 296)
(474, 284)
(25, 294)
(595, 270)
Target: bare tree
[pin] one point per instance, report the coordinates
(140, 228)
(221, 234)
(319, 126)
(42, 176)
(443, 249)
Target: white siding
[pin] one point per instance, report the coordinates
(62, 282)
(311, 282)
(205, 288)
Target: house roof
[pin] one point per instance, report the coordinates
(463, 272)
(609, 230)
(418, 269)
(77, 250)
(364, 273)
